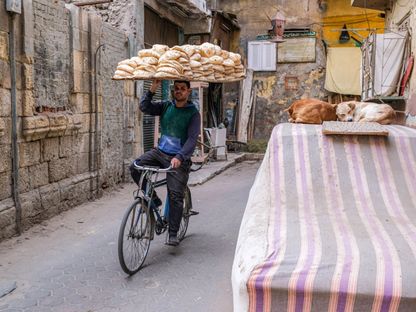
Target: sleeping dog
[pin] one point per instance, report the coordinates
(311, 111)
(365, 111)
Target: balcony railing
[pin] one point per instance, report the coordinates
(381, 5)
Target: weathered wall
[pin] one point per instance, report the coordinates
(52, 55)
(398, 12)
(272, 95)
(272, 98)
(339, 13)
(65, 156)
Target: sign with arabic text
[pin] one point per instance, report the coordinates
(296, 50)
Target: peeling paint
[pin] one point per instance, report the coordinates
(315, 75)
(265, 86)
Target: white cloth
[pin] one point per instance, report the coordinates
(343, 70)
(388, 63)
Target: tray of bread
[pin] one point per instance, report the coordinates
(205, 62)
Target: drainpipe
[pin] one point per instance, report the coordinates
(15, 147)
(97, 140)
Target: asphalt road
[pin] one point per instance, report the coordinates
(70, 263)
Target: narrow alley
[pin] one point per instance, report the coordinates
(70, 263)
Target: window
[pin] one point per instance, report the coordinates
(262, 55)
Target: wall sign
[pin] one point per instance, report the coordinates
(296, 50)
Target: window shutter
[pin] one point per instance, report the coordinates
(269, 56)
(261, 56)
(254, 55)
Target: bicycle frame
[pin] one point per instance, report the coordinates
(150, 174)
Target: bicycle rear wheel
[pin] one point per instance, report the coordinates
(134, 237)
(187, 206)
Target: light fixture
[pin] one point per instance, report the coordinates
(278, 24)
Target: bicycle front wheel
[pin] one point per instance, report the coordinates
(134, 237)
(187, 206)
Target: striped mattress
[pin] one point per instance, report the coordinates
(330, 224)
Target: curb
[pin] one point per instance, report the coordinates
(238, 159)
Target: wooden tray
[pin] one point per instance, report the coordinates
(181, 78)
(354, 128)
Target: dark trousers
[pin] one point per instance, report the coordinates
(176, 182)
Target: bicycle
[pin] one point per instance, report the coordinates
(143, 219)
(205, 152)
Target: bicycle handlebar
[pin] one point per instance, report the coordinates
(154, 169)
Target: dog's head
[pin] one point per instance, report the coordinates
(345, 111)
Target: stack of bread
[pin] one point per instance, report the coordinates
(205, 62)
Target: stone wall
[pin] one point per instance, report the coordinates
(76, 127)
(52, 55)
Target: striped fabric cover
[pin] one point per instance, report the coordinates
(340, 230)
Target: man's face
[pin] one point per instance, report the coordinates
(181, 91)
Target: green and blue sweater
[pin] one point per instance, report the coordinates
(180, 126)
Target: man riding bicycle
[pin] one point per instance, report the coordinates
(180, 126)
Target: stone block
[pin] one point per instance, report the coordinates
(83, 143)
(24, 180)
(84, 40)
(76, 39)
(2, 127)
(67, 193)
(84, 16)
(28, 103)
(80, 61)
(5, 185)
(19, 75)
(28, 76)
(5, 80)
(31, 207)
(128, 150)
(66, 146)
(74, 124)
(4, 18)
(80, 102)
(50, 198)
(29, 153)
(7, 222)
(28, 32)
(85, 128)
(82, 163)
(128, 88)
(100, 104)
(82, 191)
(74, 14)
(50, 149)
(6, 158)
(77, 121)
(80, 40)
(4, 46)
(60, 169)
(58, 123)
(38, 175)
(74, 193)
(81, 82)
(35, 122)
(5, 102)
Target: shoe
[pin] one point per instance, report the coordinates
(173, 240)
(193, 213)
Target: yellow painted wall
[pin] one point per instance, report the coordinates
(340, 12)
